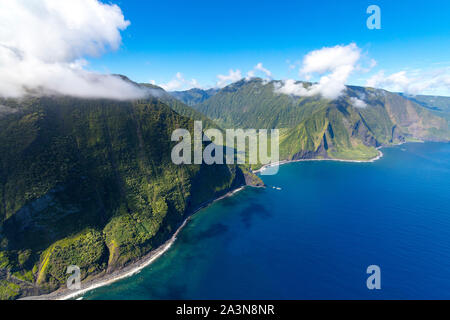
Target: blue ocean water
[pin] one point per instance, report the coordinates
(315, 238)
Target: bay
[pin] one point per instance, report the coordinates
(314, 236)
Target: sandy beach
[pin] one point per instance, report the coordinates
(279, 163)
(128, 271)
(136, 267)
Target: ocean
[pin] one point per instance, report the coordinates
(312, 233)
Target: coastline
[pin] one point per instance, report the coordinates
(136, 267)
(130, 270)
(279, 163)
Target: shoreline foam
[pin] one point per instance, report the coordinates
(130, 270)
(148, 259)
(153, 255)
(279, 163)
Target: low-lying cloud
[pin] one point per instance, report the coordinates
(231, 77)
(179, 83)
(334, 65)
(435, 81)
(358, 103)
(259, 69)
(44, 43)
(236, 75)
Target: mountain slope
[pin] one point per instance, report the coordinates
(194, 96)
(253, 104)
(175, 104)
(91, 183)
(313, 127)
(437, 104)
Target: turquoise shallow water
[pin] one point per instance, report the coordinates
(314, 238)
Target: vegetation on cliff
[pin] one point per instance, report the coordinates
(91, 183)
(313, 127)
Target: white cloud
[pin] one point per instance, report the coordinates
(179, 83)
(259, 69)
(194, 83)
(333, 64)
(236, 75)
(431, 82)
(43, 44)
(330, 59)
(358, 103)
(232, 76)
(6, 110)
(292, 87)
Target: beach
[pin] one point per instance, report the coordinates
(279, 163)
(128, 271)
(136, 267)
(311, 233)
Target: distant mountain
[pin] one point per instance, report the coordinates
(438, 104)
(313, 127)
(175, 104)
(194, 96)
(91, 183)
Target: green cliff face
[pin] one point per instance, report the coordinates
(437, 104)
(91, 183)
(313, 127)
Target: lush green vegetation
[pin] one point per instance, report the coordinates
(179, 105)
(437, 104)
(254, 104)
(194, 96)
(358, 152)
(9, 290)
(91, 183)
(318, 128)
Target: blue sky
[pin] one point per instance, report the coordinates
(63, 45)
(201, 39)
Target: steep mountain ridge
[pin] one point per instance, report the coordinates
(313, 127)
(194, 96)
(439, 105)
(91, 183)
(176, 104)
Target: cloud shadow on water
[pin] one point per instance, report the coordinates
(252, 212)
